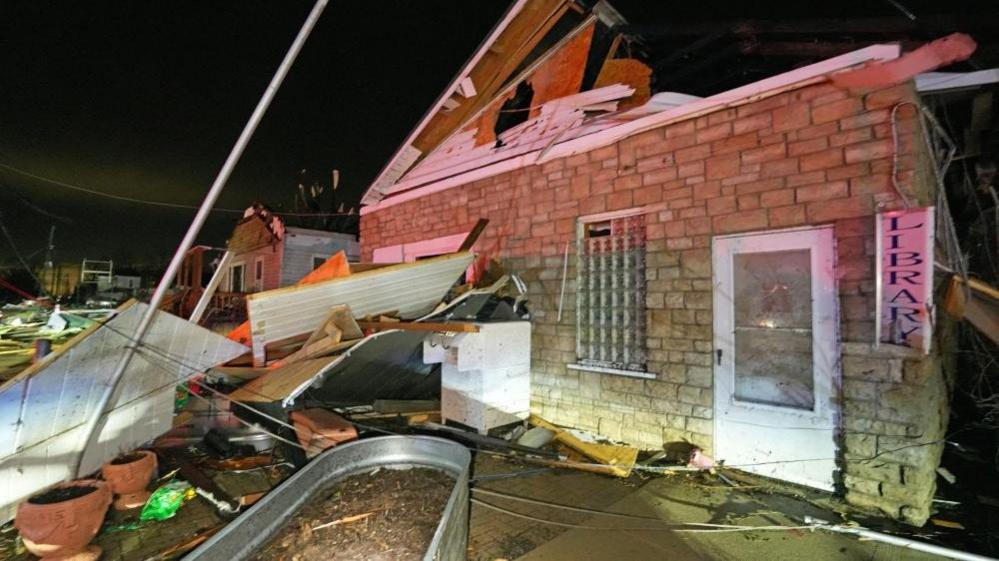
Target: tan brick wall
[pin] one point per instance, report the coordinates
(816, 155)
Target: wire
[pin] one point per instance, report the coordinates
(539, 502)
(20, 258)
(663, 526)
(133, 200)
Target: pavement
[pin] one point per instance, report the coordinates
(659, 503)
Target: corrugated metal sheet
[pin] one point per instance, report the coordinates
(385, 365)
(411, 289)
(42, 411)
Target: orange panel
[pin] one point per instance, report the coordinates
(562, 74)
(334, 267)
(630, 72)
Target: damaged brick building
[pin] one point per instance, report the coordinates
(706, 269)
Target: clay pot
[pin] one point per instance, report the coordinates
(61, 530)
(129, 479)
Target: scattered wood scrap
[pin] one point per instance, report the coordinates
(618, 459)
(336, 333)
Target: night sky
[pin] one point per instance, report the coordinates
(145, 99)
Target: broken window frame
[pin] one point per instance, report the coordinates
(610, 273)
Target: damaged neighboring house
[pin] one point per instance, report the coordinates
(261, 254)
(266, 254)
(750, 271)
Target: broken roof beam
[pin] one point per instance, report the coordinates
(520, 30)
(495, 66)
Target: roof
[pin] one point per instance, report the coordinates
(574, 134)
(559, 49)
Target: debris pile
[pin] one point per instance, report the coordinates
(36, 328)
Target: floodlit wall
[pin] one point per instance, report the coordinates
(816, 155)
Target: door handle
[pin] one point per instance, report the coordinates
(718, 353)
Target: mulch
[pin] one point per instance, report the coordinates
(384, 515)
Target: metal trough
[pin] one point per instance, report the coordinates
(246, 535)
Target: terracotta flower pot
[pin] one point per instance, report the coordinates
(55, 529)
(129, 475)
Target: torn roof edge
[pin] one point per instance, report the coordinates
(447, 179)
(407, 144)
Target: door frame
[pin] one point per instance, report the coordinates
(825, 415)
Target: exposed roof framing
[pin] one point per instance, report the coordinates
(686, 52)
(499, 56)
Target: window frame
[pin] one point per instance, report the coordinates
(638, 309)
(242, 277)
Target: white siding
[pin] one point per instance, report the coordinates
(301, 245)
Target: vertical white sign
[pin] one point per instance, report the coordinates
(905, 277)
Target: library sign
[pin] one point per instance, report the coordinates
(905, 277)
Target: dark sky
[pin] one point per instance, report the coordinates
(145, 99)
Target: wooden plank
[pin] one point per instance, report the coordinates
(406, 405)
(507, 53)
(320, 348)
(280, 382)
(978, 304)
(455, 327)
(619, 459)
(213, 284)
(473, 236)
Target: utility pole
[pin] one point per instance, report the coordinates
(92, 429)
(49, 270)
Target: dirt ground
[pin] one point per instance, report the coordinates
(384, 515)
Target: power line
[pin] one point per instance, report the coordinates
(165, 204)
(20, 258)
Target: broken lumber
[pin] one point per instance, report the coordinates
(977, 302)
(455, 327)
(618, 459)
(473, 235)
(337, 332)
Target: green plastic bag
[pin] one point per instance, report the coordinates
(165, 501)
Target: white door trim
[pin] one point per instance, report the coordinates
(797, 445)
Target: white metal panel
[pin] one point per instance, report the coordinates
(795, 444)
(43, 410)
(411, 289)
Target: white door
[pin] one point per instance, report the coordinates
(777, 354)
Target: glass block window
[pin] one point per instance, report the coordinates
(610, 323)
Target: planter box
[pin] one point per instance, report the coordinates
(254, 528)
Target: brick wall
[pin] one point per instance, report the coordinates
(816, 155)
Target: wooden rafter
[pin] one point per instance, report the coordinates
(494, 69)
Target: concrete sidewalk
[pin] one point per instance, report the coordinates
(672, 499)
(672, 502)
